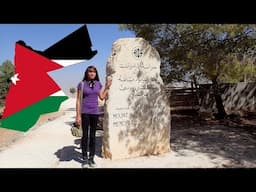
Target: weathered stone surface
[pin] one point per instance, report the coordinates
(137, 111)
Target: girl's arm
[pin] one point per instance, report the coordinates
(103, 93)
(78, 107)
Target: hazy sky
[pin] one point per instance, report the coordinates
(41, 36)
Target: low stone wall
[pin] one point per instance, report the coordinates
(237, 97)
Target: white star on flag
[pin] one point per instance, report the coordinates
(15, 78)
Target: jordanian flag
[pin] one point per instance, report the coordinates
(33, 92)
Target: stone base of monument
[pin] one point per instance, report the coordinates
(115, 154)
(137, 119)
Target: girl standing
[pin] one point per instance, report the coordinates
(87, 112)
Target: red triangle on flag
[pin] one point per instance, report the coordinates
(34, 84)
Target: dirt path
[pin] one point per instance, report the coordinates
(51, 145)
(37, 147)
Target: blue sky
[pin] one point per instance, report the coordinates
(41, 36)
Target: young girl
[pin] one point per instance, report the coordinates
(89, 114)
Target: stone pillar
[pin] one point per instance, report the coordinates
(137, 118)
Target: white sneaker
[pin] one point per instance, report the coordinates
(92, 164)
(85, 163)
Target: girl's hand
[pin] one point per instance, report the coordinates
(109, 82)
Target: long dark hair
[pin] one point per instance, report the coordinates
(87, 71)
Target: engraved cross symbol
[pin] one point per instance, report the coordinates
(137, 52)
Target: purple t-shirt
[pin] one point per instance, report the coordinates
(90, 97)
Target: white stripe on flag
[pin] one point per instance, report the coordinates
(58, 93)
(65, 63)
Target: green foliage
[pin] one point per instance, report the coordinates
(238, 70)
(7, 68)
(72, 90)
(199, 50)
(6, 72)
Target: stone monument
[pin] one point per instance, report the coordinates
(137, 118)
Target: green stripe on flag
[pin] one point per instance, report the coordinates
(26, 118)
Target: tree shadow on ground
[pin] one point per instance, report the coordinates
(73, 152)
(235, 144)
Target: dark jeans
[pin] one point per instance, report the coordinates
(89, 124)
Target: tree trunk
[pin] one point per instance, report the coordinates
(219, 103)
(197, 88)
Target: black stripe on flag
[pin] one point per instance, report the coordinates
(76, 45)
